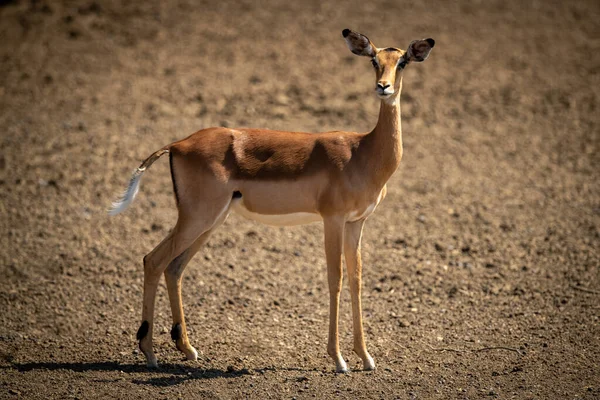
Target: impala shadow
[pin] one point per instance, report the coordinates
(174, 374)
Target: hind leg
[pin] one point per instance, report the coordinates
(173, 276)
(191, 224)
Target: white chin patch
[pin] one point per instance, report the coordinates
(385, 94)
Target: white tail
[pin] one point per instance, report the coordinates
(134, 183)
(127, 197)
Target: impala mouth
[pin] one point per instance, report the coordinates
(384, 93)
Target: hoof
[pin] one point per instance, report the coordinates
(369, 364)
(191, 354)
(341, 367)
(151, 361)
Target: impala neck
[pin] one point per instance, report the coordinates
(387, 134)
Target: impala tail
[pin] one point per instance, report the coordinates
(134, 183)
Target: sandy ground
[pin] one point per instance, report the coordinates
(481, 267)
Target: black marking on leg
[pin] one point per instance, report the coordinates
(173, 177)
(176, 332)
(175, 268)
(237, 195)
(143, 331)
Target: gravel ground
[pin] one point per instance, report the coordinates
(481, 267)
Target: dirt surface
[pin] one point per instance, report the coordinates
(481, 267)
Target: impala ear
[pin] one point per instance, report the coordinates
(418, 50)
(359, 44)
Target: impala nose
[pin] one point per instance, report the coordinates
(384, 88)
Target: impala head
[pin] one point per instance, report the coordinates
(389, 63)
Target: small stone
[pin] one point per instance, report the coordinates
(281, 99)
(453, 291)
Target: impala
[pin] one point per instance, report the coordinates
(281, 178)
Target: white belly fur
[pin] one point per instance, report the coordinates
(300, 218)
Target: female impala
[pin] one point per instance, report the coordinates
(281, 178)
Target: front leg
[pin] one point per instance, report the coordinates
(352, 237)
(334, 238)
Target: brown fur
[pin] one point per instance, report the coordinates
(334, 161)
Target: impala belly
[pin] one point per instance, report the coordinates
(299, 218)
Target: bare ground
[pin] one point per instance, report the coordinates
(482, 266)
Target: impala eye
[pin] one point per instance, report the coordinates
(402, 64)
(375, 65)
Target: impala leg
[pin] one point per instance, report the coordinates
(188, 229)
(154, 265)
(334, 237)
(173, 277)
(352, 237)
